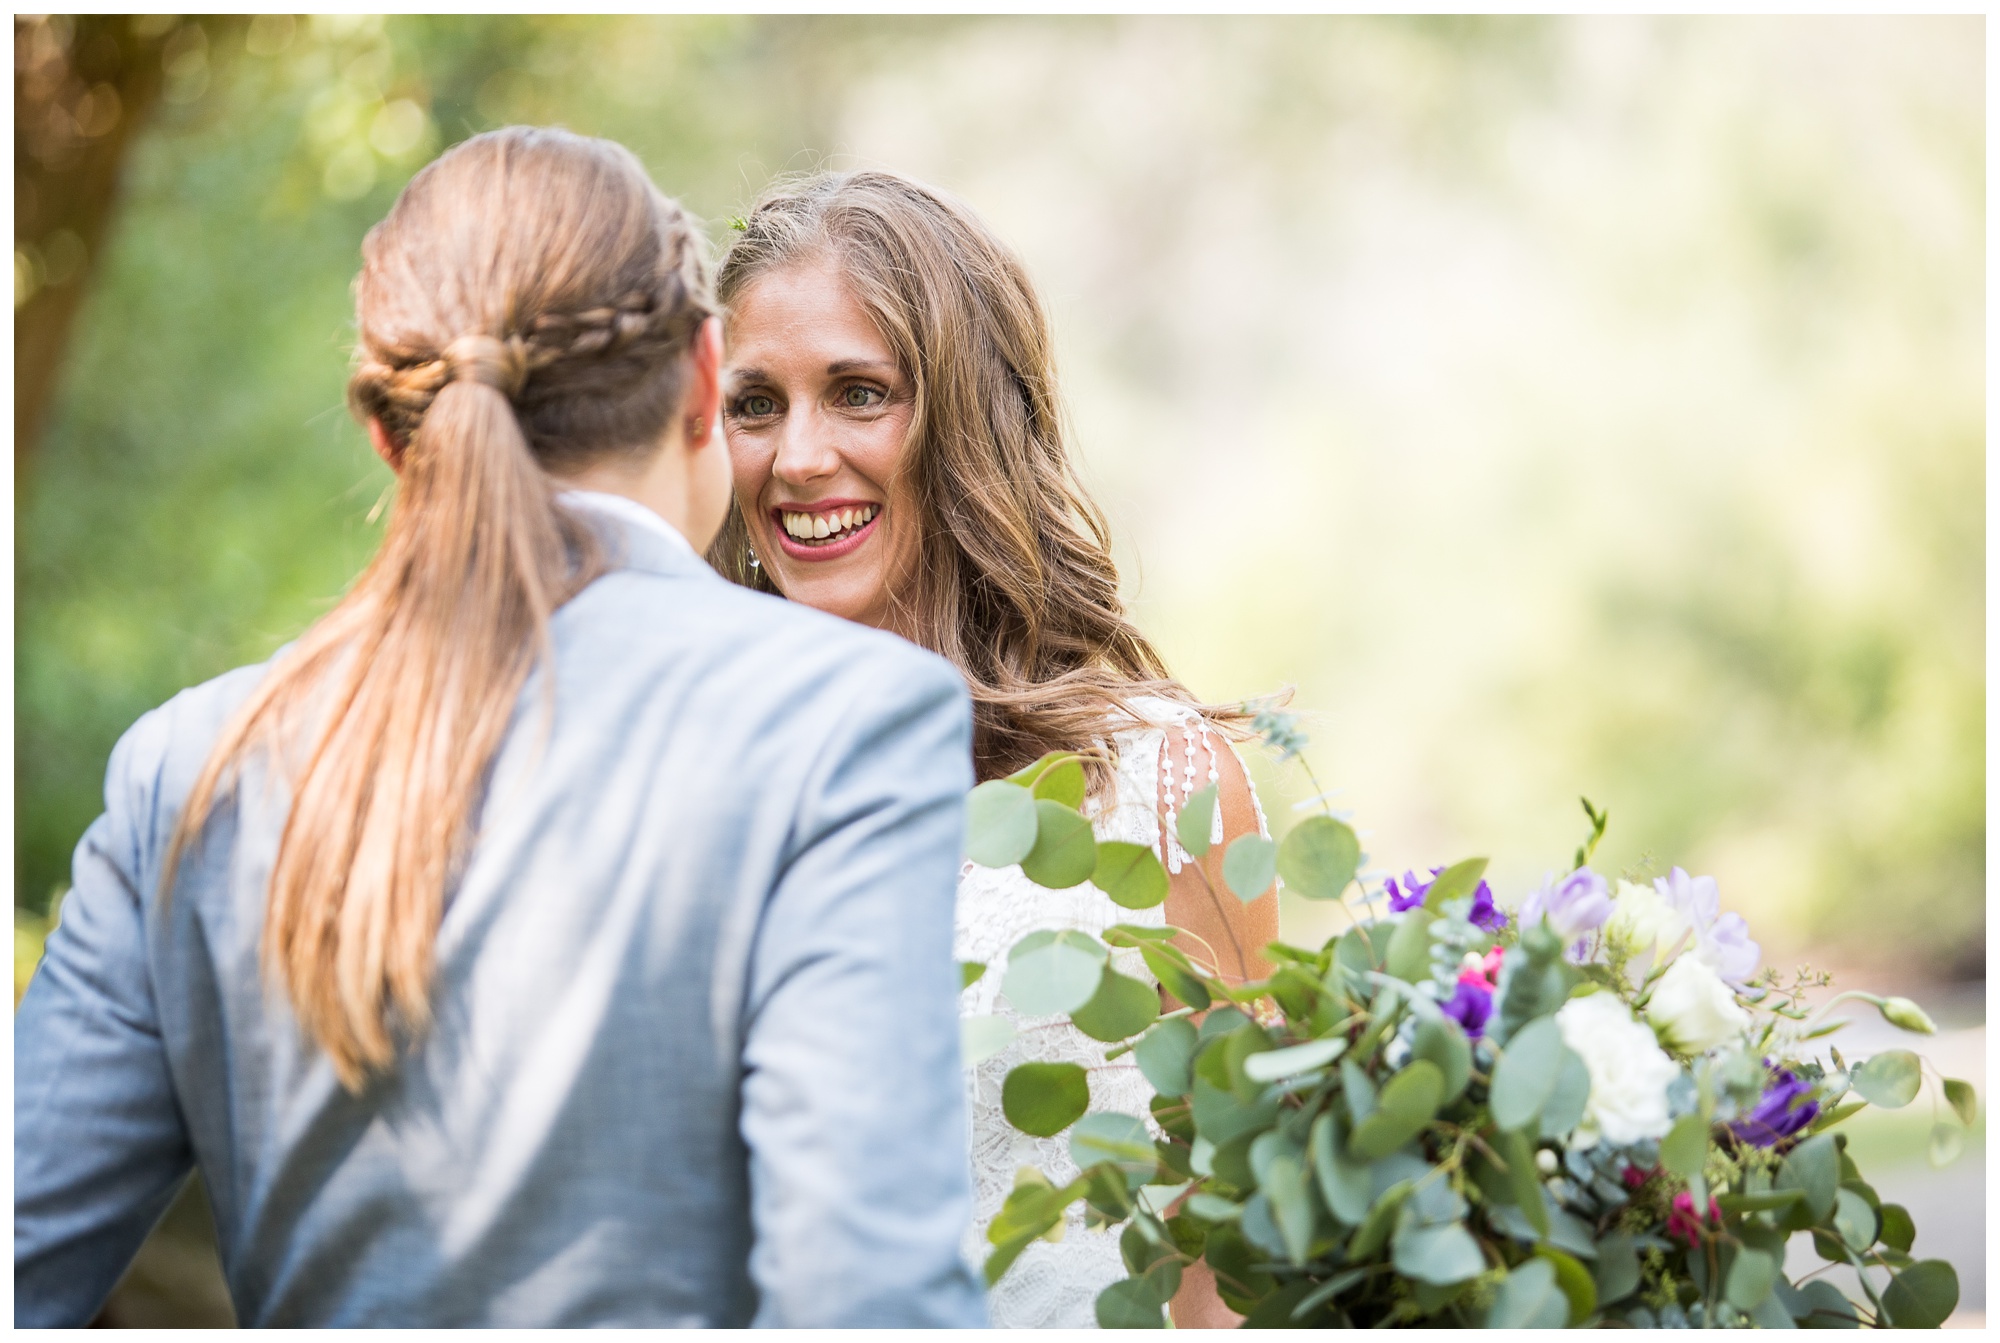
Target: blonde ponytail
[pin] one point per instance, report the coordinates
(527, 304)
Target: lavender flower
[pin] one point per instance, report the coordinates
(1577, 904)
(1774, 1118)
(1470, 1005)
(1485, 914)
(1723, 940)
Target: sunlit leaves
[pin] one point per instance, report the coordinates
(1319, 858)
(1529, 1299)
(1889, 1079)
(1065, 850)
(1120, 1009)
(1051, 972)
(1964, 1101)
(1196, 821)
(1129, 874)
(980, 1038)
(1406, 1103)
(1525, 1076)
(1164, 1055)
(1295, 1059)
(1249, 866)
(999, 824)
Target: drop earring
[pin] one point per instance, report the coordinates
(751, 552)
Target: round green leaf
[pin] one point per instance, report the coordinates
(1129, 1304)
(1409, 956)
(1525, 1076)
(1750, 1279)
(1319, 858)
(1853, 1219)
(1249, 866)
(1062, 782)
(1573, 1280)
(1444, 1044)
(1947, 1144)
(1441, 1255)
(1164, 1054)
(1197, 821)
(1899, 1231)
(1283, 1181)
(1564, 1108)
(1409, 1101)
(1454, 883)
(1119, 1010)
(1685, 1148)
(970, 973)
(1922, 1296)
(1027, 775)
(999, 824)
(1065, 850)
(1118, 1138)
(1053, 972)
(1890, 1079)
(1176, 976)
(1129, 874)
(980, 1038)
(1826, 1307)
(1529, 1299)
(1813, 1166)
(1045, 1098)
(1963, 1099)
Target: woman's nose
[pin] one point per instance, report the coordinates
(806, 451)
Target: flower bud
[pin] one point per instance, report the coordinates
(1907, 1015)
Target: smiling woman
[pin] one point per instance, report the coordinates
(817, 411)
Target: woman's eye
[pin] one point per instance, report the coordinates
(860, 398)
(756, 406)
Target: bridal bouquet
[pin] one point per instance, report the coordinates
(1588, 1110)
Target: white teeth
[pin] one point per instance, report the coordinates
(819, 526)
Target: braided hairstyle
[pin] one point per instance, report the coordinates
(525, 309)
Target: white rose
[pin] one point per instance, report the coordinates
(1693, 1010)
(1629, 1074)
(1644, 920)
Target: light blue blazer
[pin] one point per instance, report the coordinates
(695, 1053)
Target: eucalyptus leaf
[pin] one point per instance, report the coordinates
(1196, 820)
(1163, 1055)
(1175, 974)
(1564, 1108)
(980, 1038)
(1119, 1010)
(1129, 1303)
(1813, 1166)
(1407, 1102)
(1129, 874)
(1249, 866)
(1529, 1299)
(1065, 851)
(1963, 1099)
(1343, 1182)
(1898, 1232)
(1025, 776)
(1454, 883)
(1062, 782)
(1617, 1267)
(1853, 1219)
(1573, 1280)
(1889, 1079)
(1319, 858)
(1287, 1062)
(1518, 1152)
(970, 973)
(1442, 1043)
(1684, 1151)
(1525, 1076)
(1043, 1099)
(1922, 1296)
(1283, 1181)
(1138, 935)
(1441, 1255)
(1053, 972)
(1947, 1144)
(1409, 955)
(1826, 1307)
(1750, 1279)
(1120, 1139)
(1000, 824)
(1380, 1221)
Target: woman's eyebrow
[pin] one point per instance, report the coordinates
(852, 365)
(738, 376)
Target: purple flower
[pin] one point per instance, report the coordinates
(1470, 1004)
(1723, 940)
(1774, 1118)
(1485, 914)
(1577, 904)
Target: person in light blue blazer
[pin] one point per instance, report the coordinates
(555, 934)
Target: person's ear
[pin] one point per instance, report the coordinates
(704, 394)
(386, 447)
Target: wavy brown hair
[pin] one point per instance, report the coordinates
(526, 306)
(1014, 581)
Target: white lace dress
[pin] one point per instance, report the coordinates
(1055, 1285)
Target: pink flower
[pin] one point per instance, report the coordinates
(1683, 1225)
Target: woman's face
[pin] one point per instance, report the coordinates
(817, 411)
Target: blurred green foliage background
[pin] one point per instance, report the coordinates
(1564, 406)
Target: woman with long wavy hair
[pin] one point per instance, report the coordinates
(897, 440)
(553, 934)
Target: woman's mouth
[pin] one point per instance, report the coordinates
(827, 530)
